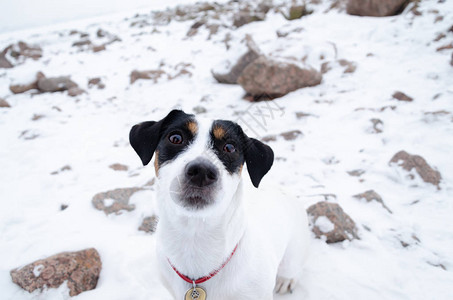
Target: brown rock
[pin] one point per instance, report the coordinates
(81, 43)
(376, 8)
(4, 62)
(75, 91)
(297, 12)
(291, 135)
(3, 103)
(96, 82)
(149, 224)
(408, 162)
(370, 196)
(150, 74)
(275, 78)
(25, 50)
(80, 269)
(245, 17)
(120, 200)
(22, 88)
(231, 77)
(344, 226)
(56, 84)
(356, 173)
(402, 96)
(99, 48)
(350, 66)
(119, 167)
(377, 125)
(445, 47)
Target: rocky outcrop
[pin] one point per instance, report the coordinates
(79, 269)
(331, 222)
(245, 17)
(376, 8)
(408, 162)
(371, 195)
(276, 77)
(114, 201)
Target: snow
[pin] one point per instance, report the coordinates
(324, 224)
(90, 132)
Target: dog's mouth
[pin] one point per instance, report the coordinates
(191, 197)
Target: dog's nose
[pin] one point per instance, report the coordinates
(201, 172)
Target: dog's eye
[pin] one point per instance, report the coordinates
(175, 139)
(229, 148)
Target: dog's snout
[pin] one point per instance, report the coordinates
(201, 173)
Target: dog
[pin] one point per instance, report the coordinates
(218, 237)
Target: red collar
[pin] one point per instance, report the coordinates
(205, 278)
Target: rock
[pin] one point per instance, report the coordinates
(150, 74)
(445, 47)
(402, 96)
(79, 269)
(245, 17)
(349, 66)
(25, 50)
(99, 48)
(149, 224)
(75, 91)
(96, 82)
(297, 12)
(4, 62)
(377, 125)
(199, 110)
(231, 75)
(119, 199)
(451, 61)
(22, 88)
(56, 84)
(291, 135)
(356, 173)
(275, 78)
(408, 162)
(370, 196)
(343, 226)
(119, 167)
(376, 8)
(81, 43)
(3, 103)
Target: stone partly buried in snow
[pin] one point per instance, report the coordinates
(19, 52)
(343, 226)
(408, 162)
(119, 198)
(276, 77)
(376, 8)
(4, 103)
(232, 71)
(149, 224)
(48, 85)
(79, 269)
(370, 196)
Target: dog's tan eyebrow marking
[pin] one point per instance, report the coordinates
(218, 132)
(192, 126)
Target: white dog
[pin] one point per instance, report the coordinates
(215, 238)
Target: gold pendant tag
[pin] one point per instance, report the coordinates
(196, 293)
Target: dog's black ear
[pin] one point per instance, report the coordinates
(145, 137)
(259, 158)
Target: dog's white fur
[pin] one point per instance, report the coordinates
(269, 227)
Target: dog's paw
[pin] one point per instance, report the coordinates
(284, 285)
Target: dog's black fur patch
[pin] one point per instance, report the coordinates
(147, 137)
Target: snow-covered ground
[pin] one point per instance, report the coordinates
(403, 255)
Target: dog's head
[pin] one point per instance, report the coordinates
(199, 162)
